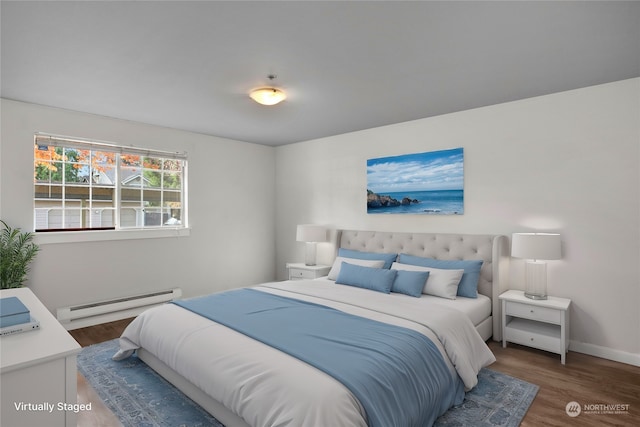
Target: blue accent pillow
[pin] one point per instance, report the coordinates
(350, 253)
(375, 279)
(410, 282)
(468, 286)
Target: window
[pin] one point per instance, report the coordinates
(86, 185)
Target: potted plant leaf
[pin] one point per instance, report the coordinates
(16, 253)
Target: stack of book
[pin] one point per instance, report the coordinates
(15, 317)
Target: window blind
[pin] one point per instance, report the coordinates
(42, 139)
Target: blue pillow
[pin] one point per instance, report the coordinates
(350, 253)
(375, 279)
(468, 286)
(410, 282)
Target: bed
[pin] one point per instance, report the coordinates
(244, 381)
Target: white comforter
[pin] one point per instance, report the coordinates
(266, 387)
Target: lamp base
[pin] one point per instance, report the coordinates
(535, 296)
(310, 254)
(535, 286)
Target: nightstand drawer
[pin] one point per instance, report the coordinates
(527, 311)
(298, 273)
(534, 334)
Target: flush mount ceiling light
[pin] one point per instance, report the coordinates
(268, 95)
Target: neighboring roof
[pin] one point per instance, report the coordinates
(135, 180)
(129, 176)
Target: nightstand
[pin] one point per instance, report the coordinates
(541, 324)
(300, 271)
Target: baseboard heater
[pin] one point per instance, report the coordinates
(80, 316)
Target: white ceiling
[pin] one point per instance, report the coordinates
(346, 66)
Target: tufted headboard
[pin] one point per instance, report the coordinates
(492, 249)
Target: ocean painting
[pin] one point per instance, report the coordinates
(429, 183)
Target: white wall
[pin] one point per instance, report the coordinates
(231, 213)
(566, 163)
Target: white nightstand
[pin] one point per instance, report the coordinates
(541, 324)
(299, 271)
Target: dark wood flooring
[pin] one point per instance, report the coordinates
(584, 379)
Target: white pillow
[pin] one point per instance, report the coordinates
(440, 283)
(337, 264)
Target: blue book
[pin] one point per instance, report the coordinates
(33, 325)
(13, 312)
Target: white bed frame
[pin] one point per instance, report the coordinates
(492, 249)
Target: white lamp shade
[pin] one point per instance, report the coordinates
(268, 95)
(311, 233)
(545, 246)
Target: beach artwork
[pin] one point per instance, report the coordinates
(429, 183)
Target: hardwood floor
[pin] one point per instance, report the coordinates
(588, 380)
(99, 333)
(584, 379)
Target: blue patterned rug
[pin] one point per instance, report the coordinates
(141, 398)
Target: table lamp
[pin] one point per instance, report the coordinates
(536, 248)
(311, 234)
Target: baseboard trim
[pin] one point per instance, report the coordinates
(605, 353)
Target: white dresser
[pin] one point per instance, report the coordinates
(541, 324)
(38, 371)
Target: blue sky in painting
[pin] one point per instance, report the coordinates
(431, 171)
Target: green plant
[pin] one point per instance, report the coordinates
(16, 252)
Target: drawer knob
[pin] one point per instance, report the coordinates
(531, 339)
(532, 311)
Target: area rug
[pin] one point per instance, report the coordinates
(141, 398)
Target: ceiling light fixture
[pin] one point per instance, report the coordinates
(268, 95)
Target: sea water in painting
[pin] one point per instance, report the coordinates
(429, 183)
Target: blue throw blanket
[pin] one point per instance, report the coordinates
(397, 374)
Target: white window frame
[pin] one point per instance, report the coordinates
(125, 233)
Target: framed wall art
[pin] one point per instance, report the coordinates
(430, 183)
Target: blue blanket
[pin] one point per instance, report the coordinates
(397, 374)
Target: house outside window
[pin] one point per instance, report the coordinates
(88, 185)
